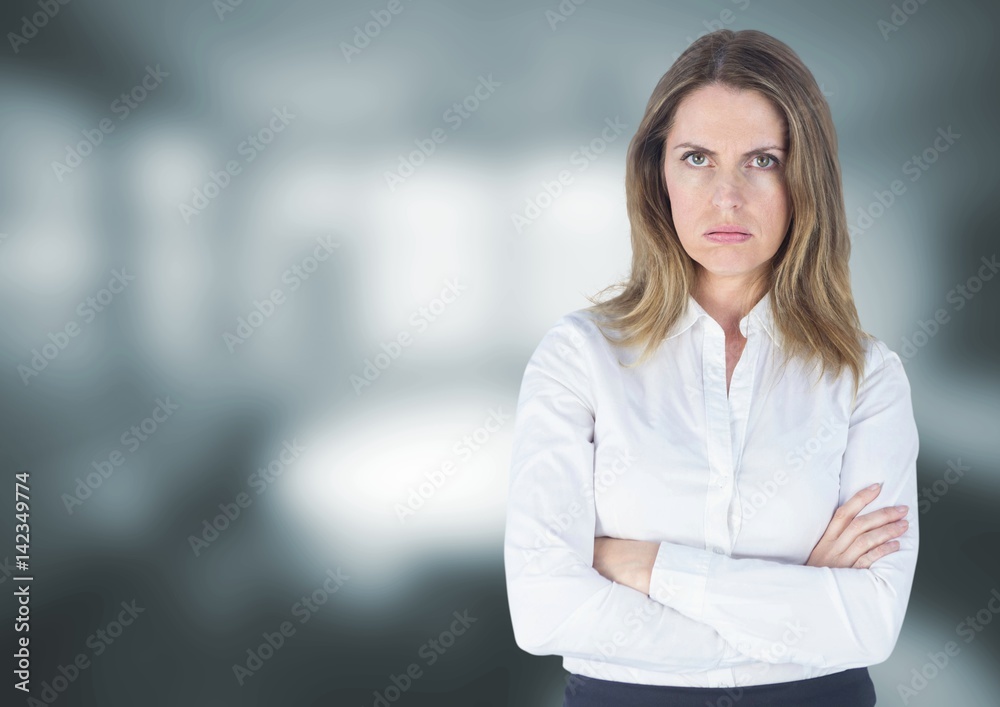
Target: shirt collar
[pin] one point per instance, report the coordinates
(760, 313)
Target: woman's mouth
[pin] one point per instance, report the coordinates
(728, 236)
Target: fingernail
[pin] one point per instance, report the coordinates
(874, 486)
(902, 509)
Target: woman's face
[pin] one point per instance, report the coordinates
(724, 164)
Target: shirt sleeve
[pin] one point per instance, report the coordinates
(559, 604)
(818, 616)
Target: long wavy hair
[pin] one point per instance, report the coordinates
(809, 278)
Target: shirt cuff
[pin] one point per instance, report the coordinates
(679, 578)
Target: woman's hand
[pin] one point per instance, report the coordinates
(858, 541)
(628, 562)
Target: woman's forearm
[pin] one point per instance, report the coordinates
(628, 562)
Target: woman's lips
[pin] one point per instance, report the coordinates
(727, 237)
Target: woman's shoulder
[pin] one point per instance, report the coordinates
(583, 320)
(881, 364)
(582, 328)
(878, 355)
(575, 340)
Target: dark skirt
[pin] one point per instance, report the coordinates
(849, 688)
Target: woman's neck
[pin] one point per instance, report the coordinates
(727, 303)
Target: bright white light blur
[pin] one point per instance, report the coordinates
(51, 249)
(438, 212)
(589, 210)
(53, 257)
(359, 469)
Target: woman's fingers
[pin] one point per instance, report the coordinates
(846, 513)
(869, 523)
(879, 536)
(868, 559)
(875, 543)
(854, 540)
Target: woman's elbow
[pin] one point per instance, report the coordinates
(532, 633)
(884, 628)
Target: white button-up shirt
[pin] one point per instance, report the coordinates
(737, 490)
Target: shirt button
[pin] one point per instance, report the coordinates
(718, 551)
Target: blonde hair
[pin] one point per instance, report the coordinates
(809, 281)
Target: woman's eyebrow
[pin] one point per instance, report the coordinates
(711, 153)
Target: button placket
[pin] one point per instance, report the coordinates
(740, 390)
(718, 438)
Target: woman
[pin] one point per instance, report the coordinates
(692, 457)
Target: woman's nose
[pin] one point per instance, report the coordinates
(727, 191)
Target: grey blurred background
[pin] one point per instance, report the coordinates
(386, 321)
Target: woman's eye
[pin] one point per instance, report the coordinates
(765, 162)
(771, 161)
